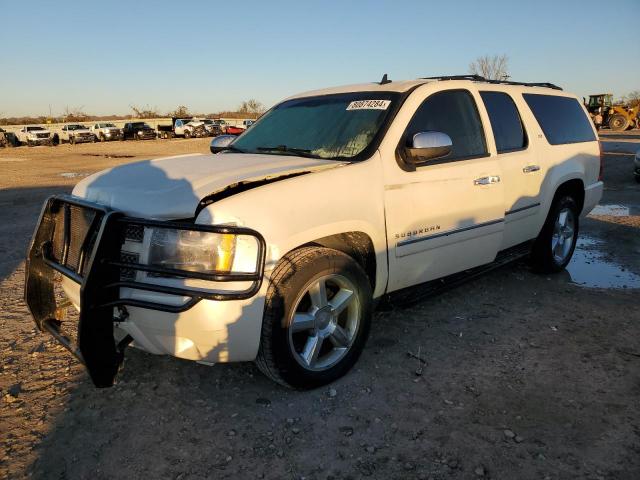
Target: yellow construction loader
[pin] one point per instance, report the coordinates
(618, 117)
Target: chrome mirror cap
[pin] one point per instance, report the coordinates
(221, 142)
(428, 146)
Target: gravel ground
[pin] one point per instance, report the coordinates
(521, 376)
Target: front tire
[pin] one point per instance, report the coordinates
(316, 320)
(554, 247)
(187, 134)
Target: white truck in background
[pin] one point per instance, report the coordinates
(74, 133)
(105, 131)
(34, 135)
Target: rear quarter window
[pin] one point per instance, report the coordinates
(505, 121)
(562, 119)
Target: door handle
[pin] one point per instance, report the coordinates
(531, 168)
(487, 180)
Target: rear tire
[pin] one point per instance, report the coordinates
(316, 320)
(618, 123)
(553, 249)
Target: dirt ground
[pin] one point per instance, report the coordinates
(525, 376)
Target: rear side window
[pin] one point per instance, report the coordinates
(452, 112)
(505, 121)
(561, 118)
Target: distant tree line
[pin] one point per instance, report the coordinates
(251, 108)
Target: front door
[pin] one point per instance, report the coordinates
(447, 215)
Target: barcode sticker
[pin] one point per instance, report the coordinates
(369, 105)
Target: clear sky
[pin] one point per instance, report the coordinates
(210, 55)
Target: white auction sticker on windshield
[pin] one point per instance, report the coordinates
(369, 105)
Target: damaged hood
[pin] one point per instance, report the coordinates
(172, 187)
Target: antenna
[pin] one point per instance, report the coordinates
(384, 80)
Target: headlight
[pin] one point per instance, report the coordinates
(193, 251)
(139, 132)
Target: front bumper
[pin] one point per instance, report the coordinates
(147, 135)
(39, 141)
(82, 241)
(113, 135)
(83, 138)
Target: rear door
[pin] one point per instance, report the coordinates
(522, 169)
(447, 214)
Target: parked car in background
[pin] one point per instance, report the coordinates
(184, 127)
(636, 166)
(233, 130)
(105, 131)
(277, 248)
(189, 128)
(221, 124)
(74, 133)
(169, 131)
(34, 135)
(247, 123)
(213, 128)
(138, 131)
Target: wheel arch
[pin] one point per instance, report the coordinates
(573, 187)
(358, 245)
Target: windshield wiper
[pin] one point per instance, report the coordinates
(231, 148)
(291, 150)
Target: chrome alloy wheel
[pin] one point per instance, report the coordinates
(324, 322)
(563, 235)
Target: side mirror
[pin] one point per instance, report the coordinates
(428, 146)
(221, 142)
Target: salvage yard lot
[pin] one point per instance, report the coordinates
(523, 376)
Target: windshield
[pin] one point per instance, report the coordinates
(330, 126)
(34, 129)
(140, 125)
(76, 127)
(105, 125)
(207, 122)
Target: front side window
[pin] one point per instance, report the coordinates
(452, 112)
(505, 121)
(331, 127)
(562, 119)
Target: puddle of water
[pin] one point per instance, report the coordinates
(610, 210)
(73, 175)
(589, 268)
(107, 155)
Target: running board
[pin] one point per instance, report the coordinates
(411, 295)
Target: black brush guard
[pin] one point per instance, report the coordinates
(82, 241)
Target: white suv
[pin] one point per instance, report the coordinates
(276, 249)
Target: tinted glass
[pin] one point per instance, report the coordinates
(505, 121)
(452, 112)
(561, 118)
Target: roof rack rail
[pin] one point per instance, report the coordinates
(480, 78)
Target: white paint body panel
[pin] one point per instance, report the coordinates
(375, 197)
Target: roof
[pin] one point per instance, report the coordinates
(405, 85)
(399, 86)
